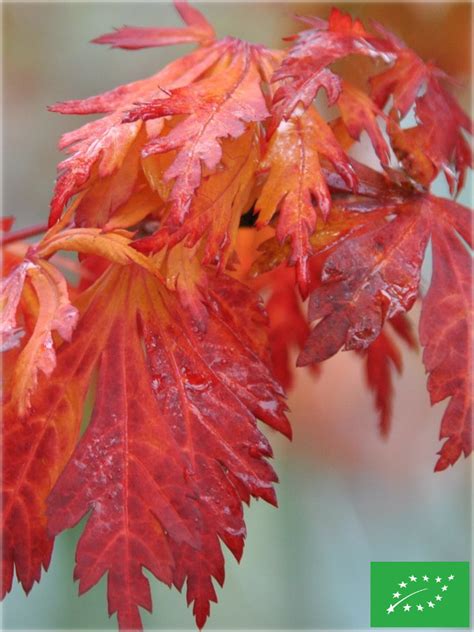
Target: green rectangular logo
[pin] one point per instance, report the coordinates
(419, 595)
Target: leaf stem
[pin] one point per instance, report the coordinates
(23, 233)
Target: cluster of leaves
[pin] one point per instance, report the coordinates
(200, 187)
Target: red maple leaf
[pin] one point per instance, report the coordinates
(405, 76)
(381, 358)
(374, 277)
(160, 464)
(429, 147)
(305, 69)
(215, 213)
(359, 113)
(99, 148)
(446, 334)
(37, 447)
(438, 135)
(365, 281)
(294, 186)
(215, 107)
(197, 30)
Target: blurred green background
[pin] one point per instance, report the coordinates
(346, 497)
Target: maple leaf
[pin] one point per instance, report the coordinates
(215, 107)
(133, 38)
(374, 277)
(359, 114)
(381, 358)
(45, 390)
(54, 309)
(428, 147)
(350, 216)
(389, 185)
(11, 290)
(115, 246)
(215, 211)
(184, 273)
(103, 144)
(446, 334)
(18, 301)
(295, 178)
(35, 448)
(159, 464)
(122, 194)
(405, 77)
(437, 141)
(304, 69)
(365, 281)
(55, 313)
(288, 326)
(373, 190)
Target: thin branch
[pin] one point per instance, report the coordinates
(23, 233)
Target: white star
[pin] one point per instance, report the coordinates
(438, 579)
(412, 578)
(425, 578)
(390, 609)
(406, 607)
(438, 597)
(444, 588)
(396, 595)
(420, 607)
(430, 604)
(451, 577)
(402, 585)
